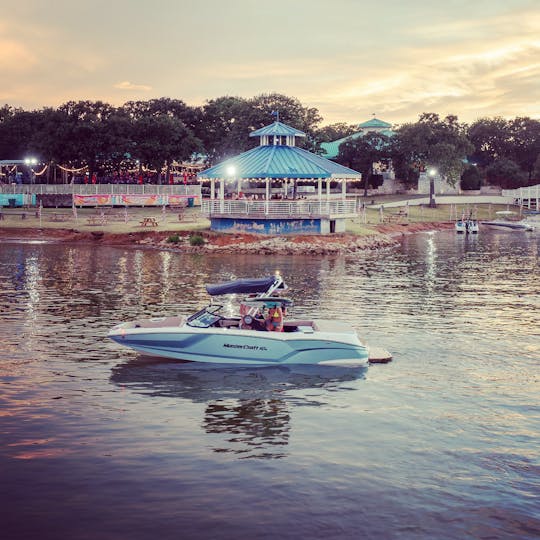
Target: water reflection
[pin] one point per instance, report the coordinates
(250, 406)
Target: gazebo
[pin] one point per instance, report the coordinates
(278, 161)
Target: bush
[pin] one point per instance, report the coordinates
(196, 240)
(506, 174)
(173, 239)
(471, 178)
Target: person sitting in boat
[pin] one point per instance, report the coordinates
(274, 319)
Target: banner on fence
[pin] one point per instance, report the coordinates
(133, 200)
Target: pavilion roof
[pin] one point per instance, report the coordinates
(278, 161)
(277, 128)
(375, 123)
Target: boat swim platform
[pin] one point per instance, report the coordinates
(378, 355)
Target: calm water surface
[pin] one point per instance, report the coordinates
(98, 442)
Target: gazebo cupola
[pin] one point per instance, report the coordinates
(277, 134)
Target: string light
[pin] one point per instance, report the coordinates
(72, 170)
(40, 172)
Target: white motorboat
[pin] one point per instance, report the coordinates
(260, 334)
(506, 219)
(466, 226)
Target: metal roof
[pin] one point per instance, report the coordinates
(277, 128)
(331, 149)
(278, 161)
(374, 123)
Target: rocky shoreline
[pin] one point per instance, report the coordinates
(384, 236)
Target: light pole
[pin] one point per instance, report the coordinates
(30, 162)
(432, 173)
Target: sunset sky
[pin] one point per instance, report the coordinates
(347, 58)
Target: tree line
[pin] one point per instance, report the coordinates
(155, 133)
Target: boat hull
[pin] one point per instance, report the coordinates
(248, 347)
(513, 225)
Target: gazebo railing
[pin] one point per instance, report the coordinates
(247, 208)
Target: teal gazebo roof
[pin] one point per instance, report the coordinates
(278, 161)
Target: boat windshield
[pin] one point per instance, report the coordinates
(204, 318)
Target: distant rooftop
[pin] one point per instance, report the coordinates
(375, 123)
(331, 148)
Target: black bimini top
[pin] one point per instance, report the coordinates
(243, 286)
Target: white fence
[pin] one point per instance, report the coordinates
(525, 196)
(301, 208)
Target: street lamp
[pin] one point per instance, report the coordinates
(231, 172)
(432, 173)
(30, 162)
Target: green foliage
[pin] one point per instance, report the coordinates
(360, 153)
(471, 178)
(159, 131)
(432, 142)
(333, 132)
(196, 240)
(536, 170)
(506, 174)
(173, 239)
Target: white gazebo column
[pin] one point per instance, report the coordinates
(222, 195)
(212, 189)
(267, 201)
(328, 195)
(319, 193)
(239, 186)
(344, 188)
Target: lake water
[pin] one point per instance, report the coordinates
(98, 442)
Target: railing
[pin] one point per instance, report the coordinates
(309, 208)
(101, 189)
(525, 196)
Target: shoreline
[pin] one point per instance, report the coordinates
(383, 236)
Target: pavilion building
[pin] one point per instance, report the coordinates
(279, 165)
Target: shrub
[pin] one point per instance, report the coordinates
(471, 178)
(196, 240)
(506, 174)
(173, 239)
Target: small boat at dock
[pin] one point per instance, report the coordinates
(507, 219)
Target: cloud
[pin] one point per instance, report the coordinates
(126, 85)
(15, 57)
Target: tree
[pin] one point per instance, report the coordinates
(432, 142)
(225, 131)
(536, 170)
(490, 138)
(333, 132)
(160, 140)
(506, 174)
(525, 139)
(471, 178)
(291, 112)
(360, 153)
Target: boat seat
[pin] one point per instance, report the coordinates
(228, 323)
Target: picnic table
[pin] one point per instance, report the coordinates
(149, 222)
(397, 217)
(59, 217)
(96, 220)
